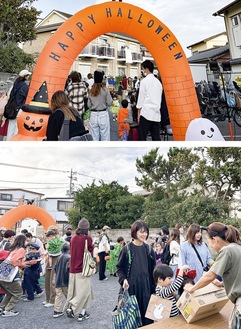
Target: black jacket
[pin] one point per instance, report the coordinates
(62, 270)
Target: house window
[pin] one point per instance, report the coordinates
(6, 197)
(121, 70)
(64, 205)
(234, 20)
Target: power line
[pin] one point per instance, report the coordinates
(35, 168)
(17, 182)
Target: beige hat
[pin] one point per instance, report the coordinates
(106, 228)
(23, 73)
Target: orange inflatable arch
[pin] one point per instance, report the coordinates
(26, 211)
(77, 32)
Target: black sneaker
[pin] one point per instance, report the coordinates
(57, 314)
(82, 317)
(70, 313)
(1, 310)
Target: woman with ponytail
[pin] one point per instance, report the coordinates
(226, 240)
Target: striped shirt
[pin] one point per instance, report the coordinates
(76, 91)
(167, 293)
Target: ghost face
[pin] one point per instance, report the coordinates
(203, 130)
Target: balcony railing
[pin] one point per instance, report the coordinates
(137, 57)
(105, 52)
(121, 55)
(89, 51)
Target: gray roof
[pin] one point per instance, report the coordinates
(224, 9)
(208, 54)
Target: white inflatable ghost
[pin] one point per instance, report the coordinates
(201, 129)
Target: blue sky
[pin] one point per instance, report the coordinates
(190, 20)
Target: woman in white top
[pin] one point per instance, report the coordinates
(180, 227)
(174, 243)
(104, 249)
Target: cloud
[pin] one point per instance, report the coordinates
(103, 163)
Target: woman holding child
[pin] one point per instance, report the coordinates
(135, 267)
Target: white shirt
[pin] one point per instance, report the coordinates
(149, 99)
(103, 241)
(174, 250)
(90, 83)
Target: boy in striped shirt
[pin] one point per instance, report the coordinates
(165, 288)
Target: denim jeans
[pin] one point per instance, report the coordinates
(100, 126)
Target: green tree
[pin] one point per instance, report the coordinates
(95, 202)
(13, 59)
(17, 21)
(125, 210)
(219, 172)
(172, 170)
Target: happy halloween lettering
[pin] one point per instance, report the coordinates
(110, 14)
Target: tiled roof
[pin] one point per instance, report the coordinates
(208, 54)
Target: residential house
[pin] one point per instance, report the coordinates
(231, 14)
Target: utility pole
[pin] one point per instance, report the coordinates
(72, 178)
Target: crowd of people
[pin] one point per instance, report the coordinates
(82, 110)
(168, 265)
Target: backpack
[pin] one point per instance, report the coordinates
(10, 109)
(166, 255)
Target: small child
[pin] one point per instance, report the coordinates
(123, 119)
(165, 287)
(54, 245)
(31, 273)
(61, 269)
(158, 253)
(115, 107)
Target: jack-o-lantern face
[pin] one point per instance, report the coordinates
(32, 124)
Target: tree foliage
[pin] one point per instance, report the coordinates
(190, 185)
(13, 59)
(171, 170)
(219, 171)
(106, 204)
(17, 21)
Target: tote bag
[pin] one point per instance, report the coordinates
(127, 315)
(7, 271)
(89, 265)
(158, 308)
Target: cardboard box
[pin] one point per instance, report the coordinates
(202, 303)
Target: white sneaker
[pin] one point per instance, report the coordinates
(39, 295)
(9, 313)
(44, 302)
(48, 305)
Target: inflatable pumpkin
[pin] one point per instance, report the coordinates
(33, 119)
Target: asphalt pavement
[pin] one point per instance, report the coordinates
(33, 315)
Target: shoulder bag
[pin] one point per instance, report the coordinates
(7, 270)
(205, 268)
(89, 265)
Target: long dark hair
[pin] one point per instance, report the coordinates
(81, 231)
(175, 236)
(19, 242)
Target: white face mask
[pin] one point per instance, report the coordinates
(145, 74)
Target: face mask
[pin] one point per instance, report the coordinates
(145, 74)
